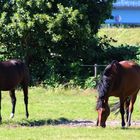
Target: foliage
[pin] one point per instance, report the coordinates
(119, 53)
(91, 82)
(48, 34)
(123, 53)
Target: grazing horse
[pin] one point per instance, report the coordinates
(12, 73)
(119, 79)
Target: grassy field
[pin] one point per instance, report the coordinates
(122, 35)
(49, 109)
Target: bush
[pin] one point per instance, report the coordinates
(91, 82)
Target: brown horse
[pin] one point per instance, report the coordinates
(119, 79)
(12, 73)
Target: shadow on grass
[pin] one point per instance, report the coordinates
(70, 123)
(54, 122)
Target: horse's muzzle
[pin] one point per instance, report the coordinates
(100, 124)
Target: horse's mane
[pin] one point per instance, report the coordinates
(103, 86)
(104, 83)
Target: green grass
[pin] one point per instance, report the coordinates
(65, 133)
(48, 108)
(122, 35)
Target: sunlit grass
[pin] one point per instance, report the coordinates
(68, 133)
(49, 108)
(124, 36)
(53, 103)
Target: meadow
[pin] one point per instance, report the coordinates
(123, 36)
(63, 114)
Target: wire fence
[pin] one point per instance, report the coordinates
(95, 68)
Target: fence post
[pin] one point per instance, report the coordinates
(95, 70)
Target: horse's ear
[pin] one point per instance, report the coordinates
(115, 66)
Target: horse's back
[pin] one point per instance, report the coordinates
(123, 79)
(130, 76)
(128, 64)
(12, 73)
(130, 68)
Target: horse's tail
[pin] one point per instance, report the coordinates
(24, 70)
(115, 107)
(26, 74)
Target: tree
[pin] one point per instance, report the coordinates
(52, 33)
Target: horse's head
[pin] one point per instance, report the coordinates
(107, 84)
(103, 112)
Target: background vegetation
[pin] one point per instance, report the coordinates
(53, 37)
(57, 38)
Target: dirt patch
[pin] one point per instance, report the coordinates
(92, 123)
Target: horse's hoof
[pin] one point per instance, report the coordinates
(128, 124)
(12, 115)
(27, 115)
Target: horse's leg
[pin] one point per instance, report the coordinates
(122, 112)
(131, 107)
(0, 107)
(25, 91)
(13, 100)
(127, 102)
